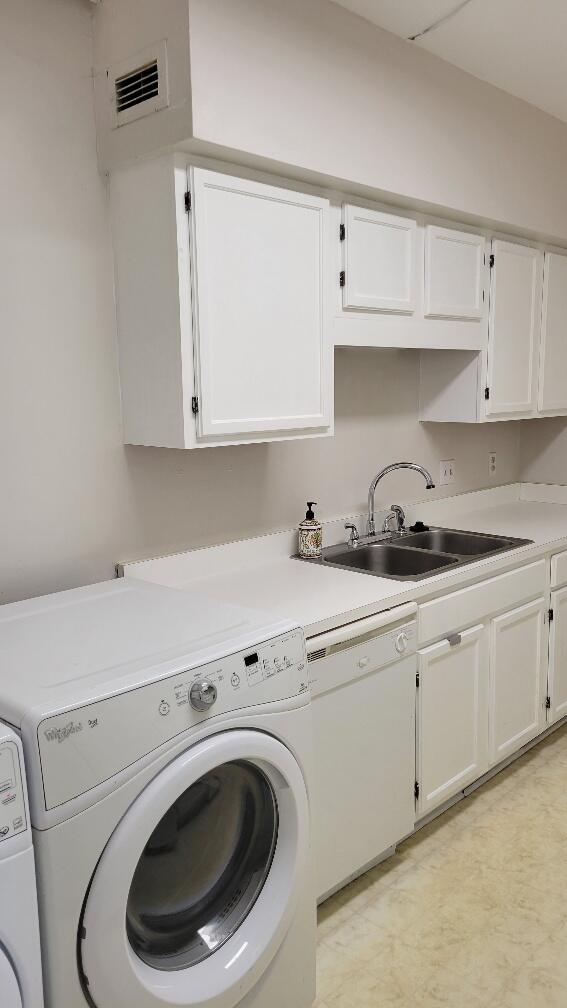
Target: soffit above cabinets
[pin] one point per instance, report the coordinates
(519, 47)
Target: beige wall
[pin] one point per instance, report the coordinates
(543, 457)
(73, 500)
(308, 83)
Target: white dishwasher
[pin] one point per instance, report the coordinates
(363, 681)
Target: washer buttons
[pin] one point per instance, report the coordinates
(235, 680)
(164, 708)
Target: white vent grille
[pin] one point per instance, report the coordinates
(316, 655)
(137, 86)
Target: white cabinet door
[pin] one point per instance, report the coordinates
(263, 352)
(518, 667)
(558, 656)
(452, 717)
(514, 330)
(454, 267)
(379, 260)
(553, 357)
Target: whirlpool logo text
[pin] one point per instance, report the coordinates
(62, 734)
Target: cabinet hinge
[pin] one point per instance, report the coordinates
(417, 679)
(342, 232)
(491, 260)
(550, 615)
(416, 789)
(487, 393)
(195, 404)
(342, 278)
(187, 202)
(548, 702)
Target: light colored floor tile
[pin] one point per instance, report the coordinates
(334, 968)
(533, 988)
(469, 913)
(330, 916)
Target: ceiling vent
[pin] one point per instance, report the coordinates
(139, 85)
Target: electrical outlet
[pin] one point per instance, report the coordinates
(447, 472)
(492, 464)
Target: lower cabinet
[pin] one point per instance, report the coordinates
(452, 716)
(518, 678)
(558, 657)
(482, 696)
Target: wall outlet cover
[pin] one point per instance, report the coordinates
(447, 472)
(492, 464)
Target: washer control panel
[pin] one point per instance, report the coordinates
(83, 747)
(12, 801)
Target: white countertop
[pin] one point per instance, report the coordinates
(261, 574)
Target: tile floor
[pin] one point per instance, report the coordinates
(471, 912)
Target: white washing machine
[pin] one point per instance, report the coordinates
(20, 959)
(167, 740)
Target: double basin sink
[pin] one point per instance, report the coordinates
(412, 556)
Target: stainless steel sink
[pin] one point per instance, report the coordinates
(461, 544)
(417, 555)
(388, 560)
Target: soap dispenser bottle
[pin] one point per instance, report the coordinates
(310, 534)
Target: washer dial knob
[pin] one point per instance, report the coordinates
(203, 694)
(401, 642)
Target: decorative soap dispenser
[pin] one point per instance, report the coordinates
(310, 534)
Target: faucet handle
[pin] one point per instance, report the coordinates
(354, 536)
(400, 516)
(396, 513)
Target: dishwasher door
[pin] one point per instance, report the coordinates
(362, 799)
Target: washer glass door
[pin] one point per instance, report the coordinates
(203, 867)
(197, 885)
(10, 996)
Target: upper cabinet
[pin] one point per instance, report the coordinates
(501, 383)
(231, 294)
(380, 268)
(454, 263)
(222, 307)
(258, 307)
(553, 357)
(408, 283)
(513, 330)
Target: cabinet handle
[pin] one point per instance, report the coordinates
(454, 639)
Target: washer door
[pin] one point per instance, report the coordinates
(196, 887)
(9, 986)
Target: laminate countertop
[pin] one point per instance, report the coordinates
(262, 574)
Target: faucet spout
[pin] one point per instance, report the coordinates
(430, 485)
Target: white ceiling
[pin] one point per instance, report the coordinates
(518, 45)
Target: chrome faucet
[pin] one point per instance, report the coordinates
(371, 527)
